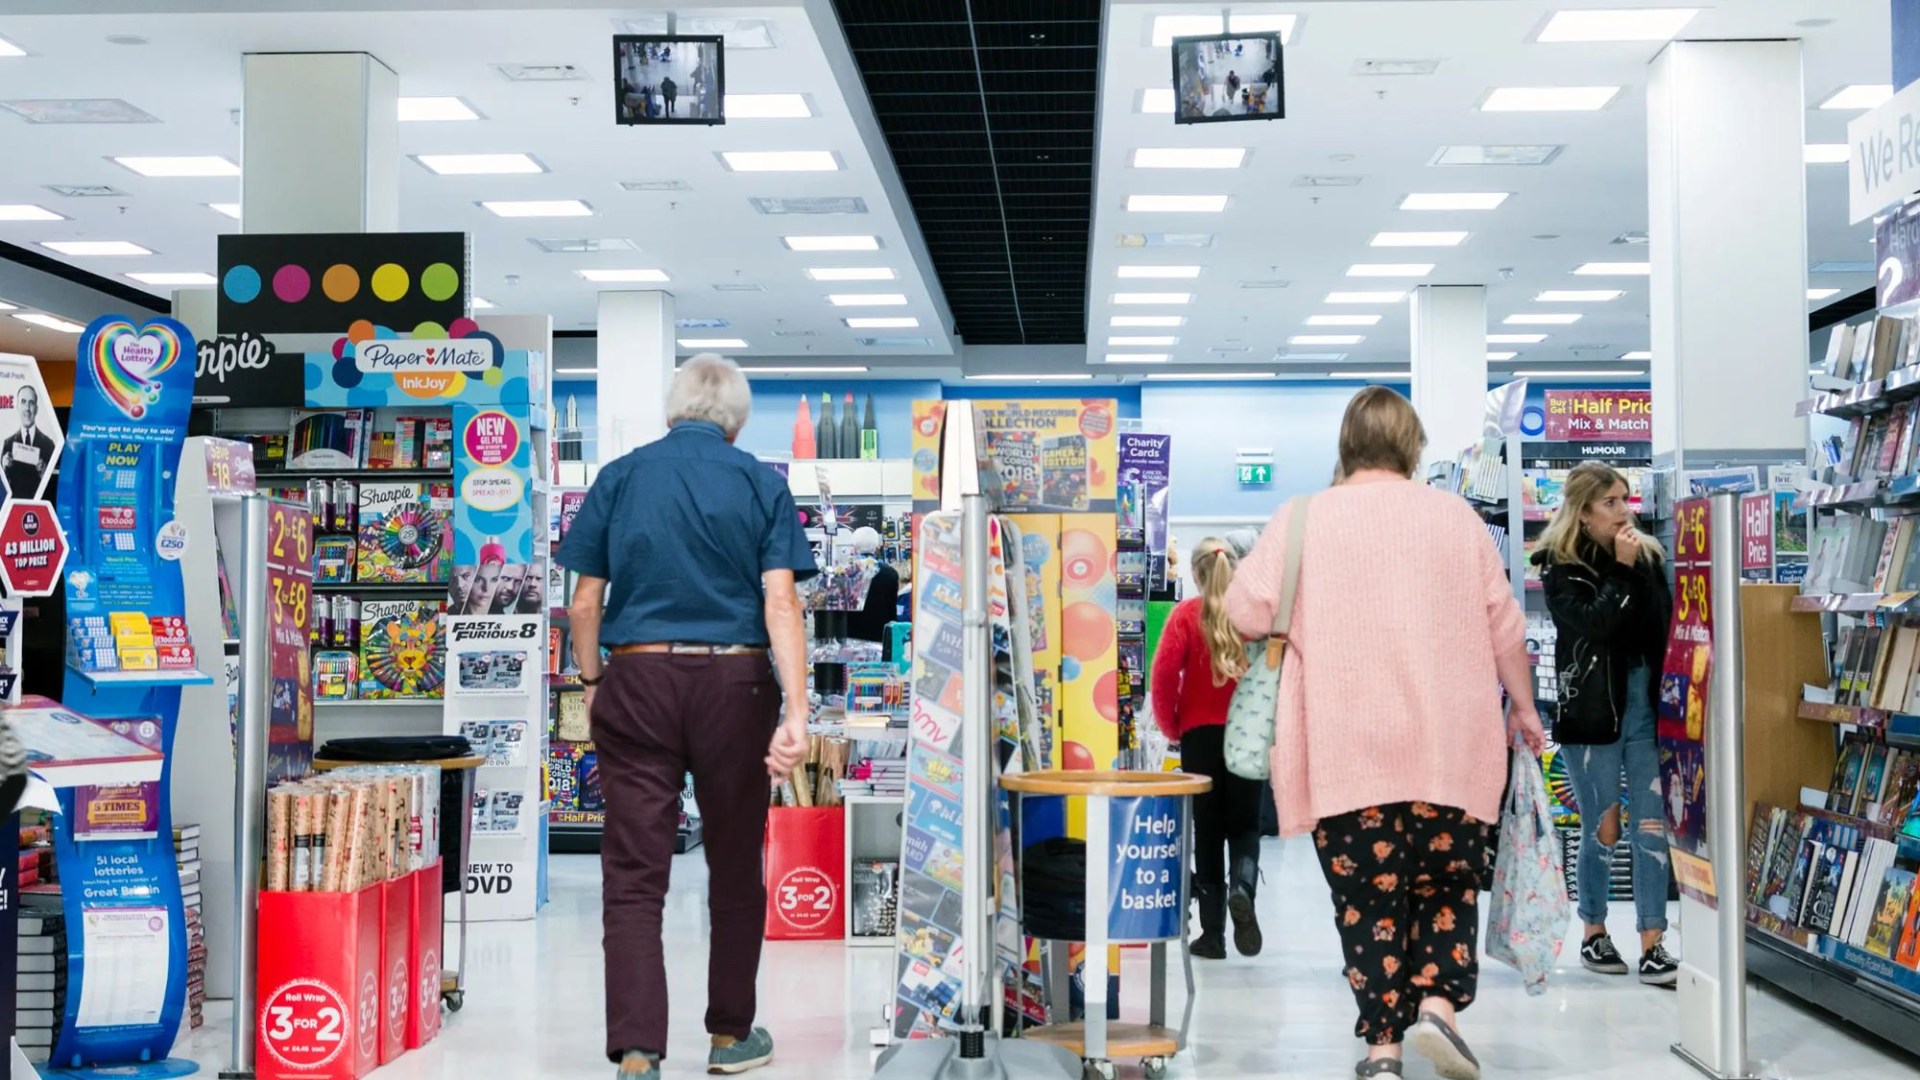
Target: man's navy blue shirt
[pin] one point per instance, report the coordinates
(682, 528)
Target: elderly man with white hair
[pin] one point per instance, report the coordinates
(688, 549)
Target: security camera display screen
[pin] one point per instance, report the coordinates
(1227, 77)
(669, 80)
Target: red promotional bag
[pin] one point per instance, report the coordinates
(805, 860)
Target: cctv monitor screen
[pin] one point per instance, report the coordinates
(668, 80)
(1227, 77)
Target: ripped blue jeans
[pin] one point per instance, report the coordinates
(1597, 773)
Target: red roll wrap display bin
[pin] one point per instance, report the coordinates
(805, 861)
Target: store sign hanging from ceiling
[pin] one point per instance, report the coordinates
(322, 283)
(244, 370)
(1883, 155)
(1576, 415)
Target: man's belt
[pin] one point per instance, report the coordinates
(688, 648)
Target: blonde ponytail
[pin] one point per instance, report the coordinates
(1213, 566)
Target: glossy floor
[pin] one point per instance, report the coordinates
(533, 1006)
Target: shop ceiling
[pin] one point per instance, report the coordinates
(963, 140)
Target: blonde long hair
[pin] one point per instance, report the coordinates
(1587, 484)
(1213, 566)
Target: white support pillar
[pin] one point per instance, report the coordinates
(635, 364)
(320, 144)
(198, 310)
(1449, 366)
(1727, 218)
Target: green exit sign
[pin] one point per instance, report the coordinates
(1255, 473)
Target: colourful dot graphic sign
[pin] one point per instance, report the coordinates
(321, 283)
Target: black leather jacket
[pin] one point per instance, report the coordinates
(1607, 620)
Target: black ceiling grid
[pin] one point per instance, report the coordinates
(988, 110)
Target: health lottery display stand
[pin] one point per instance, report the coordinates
(493, 630)
(128, 655)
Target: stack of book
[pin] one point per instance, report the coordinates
(41, 994)
(186, 854)
(1818, 874)
(876, 897)
(1875, 782)
(1854, 553)
(1860, 352)
(1875, 667)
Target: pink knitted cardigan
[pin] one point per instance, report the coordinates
(1389, 692)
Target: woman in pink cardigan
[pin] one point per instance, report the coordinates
(1389, 744)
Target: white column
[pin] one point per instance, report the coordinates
(1727, 214)
(320, 144)
(635, 364)
(1449, 366)
(198, 310)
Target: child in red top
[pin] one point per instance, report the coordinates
(1195, 668)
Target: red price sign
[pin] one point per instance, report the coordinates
(32, 548)
(1693, 533)
(1756, 532)
(304, 1024)
(805, 898)
(229, 466)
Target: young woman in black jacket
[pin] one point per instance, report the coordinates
(1606, 585)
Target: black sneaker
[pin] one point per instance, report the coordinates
(1598, 954)
(1210, 946)
(1658, 967)
(1246, 925)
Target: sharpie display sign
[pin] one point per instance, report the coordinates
(244, 370)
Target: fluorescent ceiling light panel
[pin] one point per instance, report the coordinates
(1138, 358)
(8, 48)
(1168, 27)
(1139, 340)
(1191, 157)
(1515, 339)
(479, 164)
(1368, 374)
(893, 322)
(1640, 24)
(4, 306)
(1856, 98)
(429, 109)
(576, 371)
(1821, 294)
(832, 369)
(1390, 270)
(831, 243)
(867, 300)
(1641, 354)
(95, 247)
(615, 276)
(230, 209)
(1419, 239)
(187, 277)
(1176, 204)
(1343, 320)
(1326, 339)
(27, 212)
(1542, 318)
(1577, 296)
(1549, 98)
(1826, 153)
(851, 273)
(478, 304)
(50, 322)
(766, 107)
(1218, 376)
(1524, 154)
(1614, 269)
(1134, 298)
(780, 160)
(178, 166)
(1454, 200)
(1145, 321)
(711, 343)
(1365, 297)
(1576, 373)
(1161, 272)
(1501, 355)
(1156, 100)
(1029, 378)
(539, 208)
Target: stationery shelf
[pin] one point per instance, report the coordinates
(382, 588)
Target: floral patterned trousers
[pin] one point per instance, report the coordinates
(1406, 881)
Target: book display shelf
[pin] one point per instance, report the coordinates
(1483, 475)
(1834, 838)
